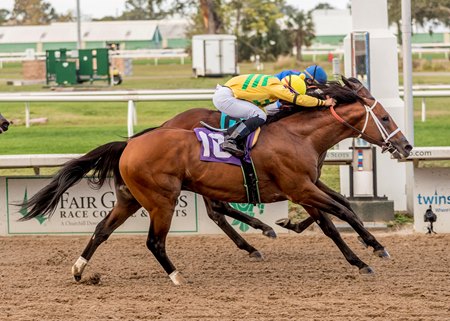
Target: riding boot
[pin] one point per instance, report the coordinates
(237, 137)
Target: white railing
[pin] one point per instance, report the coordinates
(181, 54)
(154, 54)
(38, 161)
(419, 90)
(130, 99)
(63, 92)
(427, 93)
(148, 95)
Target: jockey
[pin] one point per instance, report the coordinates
(245, 96)
(313, 74)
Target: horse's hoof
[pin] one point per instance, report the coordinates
(78, 268)
(367, 270)
(382, 254)
(270, 234)
(360, 239)
(283, 222)
(177, 278)
(257, 256)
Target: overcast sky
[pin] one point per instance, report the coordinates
(101, 8)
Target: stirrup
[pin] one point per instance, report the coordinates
(232, 149)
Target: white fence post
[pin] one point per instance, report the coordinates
(131, 116)
(27, 114)
(424, 109)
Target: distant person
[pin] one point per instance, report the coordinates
(245, 96)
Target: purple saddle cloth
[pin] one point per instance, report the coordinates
(211, 150)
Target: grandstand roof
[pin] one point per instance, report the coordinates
(90, 31)
(173, 28)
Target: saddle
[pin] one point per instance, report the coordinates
(246, 162)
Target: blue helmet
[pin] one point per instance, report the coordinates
(316, 73)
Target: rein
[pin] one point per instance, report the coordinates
(386, 144)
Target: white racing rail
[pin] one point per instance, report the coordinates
(428, 154)
(38, 161)
(145, 95)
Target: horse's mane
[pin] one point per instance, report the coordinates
(343, 95)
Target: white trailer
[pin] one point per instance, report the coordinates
(214, 55)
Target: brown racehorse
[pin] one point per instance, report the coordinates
(215, 209)
(4, 124)
(155, 167)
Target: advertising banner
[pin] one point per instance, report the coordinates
(432, 191)
(81, 208)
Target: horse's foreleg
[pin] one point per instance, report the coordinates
(354, 221)
(303, 225)
(330, 230)
(315, 202)
(125, 206)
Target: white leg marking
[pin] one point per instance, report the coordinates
(78, 267)
(177, 278)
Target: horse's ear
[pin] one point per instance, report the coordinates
(346, 82)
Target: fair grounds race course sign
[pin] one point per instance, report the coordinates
(81, 208)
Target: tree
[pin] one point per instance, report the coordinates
(144, 10)
(301, 27)
(35, 12)
(423, 12)
(256, 25)
(323, 6)
(210, 10)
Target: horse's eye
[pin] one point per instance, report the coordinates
(385, 118)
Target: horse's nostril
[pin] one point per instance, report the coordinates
(407, 149)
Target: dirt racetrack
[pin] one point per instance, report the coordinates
(304, 277)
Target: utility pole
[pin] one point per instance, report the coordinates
(407, 69)
(78, 25)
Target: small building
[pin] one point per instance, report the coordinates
(214, 55)
(332, 25)
(95, 34)
(173, 32)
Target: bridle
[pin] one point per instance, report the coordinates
(385, 144)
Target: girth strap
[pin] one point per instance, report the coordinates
(250, 182)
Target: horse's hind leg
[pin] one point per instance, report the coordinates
(160, 219)
(330, 230)
(158, 197)
(225, 209)
(125, 206)
(296, 227)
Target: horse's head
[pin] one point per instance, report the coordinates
(373, 122)
(379, 128)
(4, 124)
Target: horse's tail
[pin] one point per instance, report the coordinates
(103, 161)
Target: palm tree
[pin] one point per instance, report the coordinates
(301, 27)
